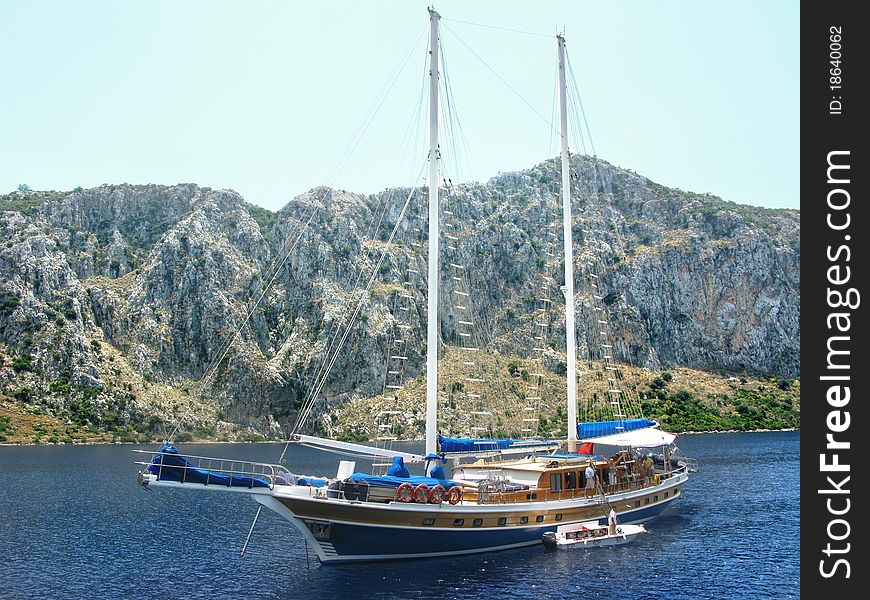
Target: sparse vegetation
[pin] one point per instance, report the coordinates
(264, 218)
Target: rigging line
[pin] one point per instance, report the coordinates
(573, 104)
(303, 417)
(335, 328)
(456, 124)
(334, 333)
(306, 411)
(408, 138)
(362, 297)
(215, 363)
(494, 72)
(546, 35)
(345, 154)
(265, 290)
(271, 270)
(371, 112)
(580, 101)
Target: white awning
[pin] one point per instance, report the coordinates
(648, 437)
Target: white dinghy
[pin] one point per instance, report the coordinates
(590, 534)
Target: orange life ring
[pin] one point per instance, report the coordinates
(454, 494)
(404, 492)
(436, 494)
(421, 494)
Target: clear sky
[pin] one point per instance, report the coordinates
(261, 97)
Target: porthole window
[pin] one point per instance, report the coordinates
(428, 521)
(646, 500)
(524, 520)
(502, 521)
(558, 516)
(539, 518)
(656, 498)
(636, 503)
(458, 522)
(477, 523)
(666, 494)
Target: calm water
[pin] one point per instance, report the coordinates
(74, 524)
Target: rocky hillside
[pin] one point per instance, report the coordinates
(114, 301)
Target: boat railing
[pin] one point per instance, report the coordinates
(634, 483)
(208, 470)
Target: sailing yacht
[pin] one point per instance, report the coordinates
(477, 495)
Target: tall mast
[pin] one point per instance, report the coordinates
(570, 338)
(432, 291)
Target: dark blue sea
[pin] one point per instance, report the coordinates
(75, 524)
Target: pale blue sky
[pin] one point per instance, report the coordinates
(261, 97)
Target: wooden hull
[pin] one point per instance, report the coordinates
(342, 531)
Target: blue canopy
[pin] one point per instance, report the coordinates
(596, 429)
(168, 465)
(449, 444)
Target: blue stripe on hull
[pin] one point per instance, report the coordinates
(350, 540)
(371, 542)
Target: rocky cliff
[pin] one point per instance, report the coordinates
(115, 301)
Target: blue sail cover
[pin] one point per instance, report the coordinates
(449, 444)
(168, 465)
(399, 474)
(389, 481)
(596, 429)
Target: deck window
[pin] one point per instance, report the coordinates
(524, 520)
(646, 500)
(477, 523)
(429, 521)
(502, 521)
(458, 522)
(532, 496)
(539, 518)
(656, 498)
(571, 480)
(636, 503)
(556, 482)
(558, 516)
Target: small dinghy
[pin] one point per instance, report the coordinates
(590, 534)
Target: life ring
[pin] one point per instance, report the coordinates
(436, 494)
(454, 494)
(404, 492)
(421, 494)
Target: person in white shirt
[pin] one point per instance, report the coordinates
(590, 480)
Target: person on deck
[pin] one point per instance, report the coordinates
(590, 480)
(648, 466)
(612, 522)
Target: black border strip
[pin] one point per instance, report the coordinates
(835, 230)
